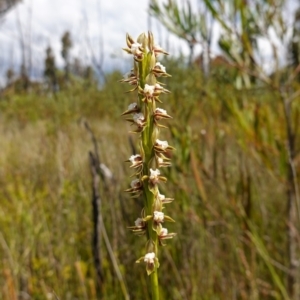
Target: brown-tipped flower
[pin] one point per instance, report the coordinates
(152, 92)
(158, 50)
(159, 70)
(136, 161)
(162, 161)
(130, 78)
(155, 177)
(132, 108)
(139, 120)
(153, 47)
(134, 48)
(164, 235)
(136, 187)
(151, 261)
(129, 40)
(161, 147)
(159, 114)
(139, 228)
(163, 198)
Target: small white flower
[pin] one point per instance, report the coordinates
(162, 144)
(161, 111)
(160, 66)
(139, 222)
(149, 258)
(158, 216)
(160, 160)
(149, 89)
(138, 118)
(161, 197)
(134, 158)
(158, 49)
(203, 131)
(158, 86)
(135, 49)
(163, 232)
(132, 106)
(154, 174)
(135, 183)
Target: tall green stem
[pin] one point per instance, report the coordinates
(154, 285)
(147, 145)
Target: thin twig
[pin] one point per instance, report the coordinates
(114, 260)
(56, 297)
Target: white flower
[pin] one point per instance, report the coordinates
(158, 86)
(160, 66)
(160, 160)
(149, 89)
(161, 197)
(138, 118)
(158, 216)
(135, 49)
(132, 106)
(162, 144)
(135, 183)
(134, 158)
(161, 111)
(154, 174)
(149, 258)
(163, 231)
(139, 222)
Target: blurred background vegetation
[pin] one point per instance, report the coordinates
(235, 173)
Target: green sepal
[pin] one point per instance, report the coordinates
(145, 177)
(168, 219)
(147, 218)
(139, 260)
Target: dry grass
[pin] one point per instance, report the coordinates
(227, 183)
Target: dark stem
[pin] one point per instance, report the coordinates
(96, 205)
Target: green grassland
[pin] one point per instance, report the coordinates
(227, 178)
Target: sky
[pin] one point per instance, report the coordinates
(40, 23)
(43, 22)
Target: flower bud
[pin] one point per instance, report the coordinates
(150, 79)
(143, 39)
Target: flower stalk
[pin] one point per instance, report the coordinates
(145, 117)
